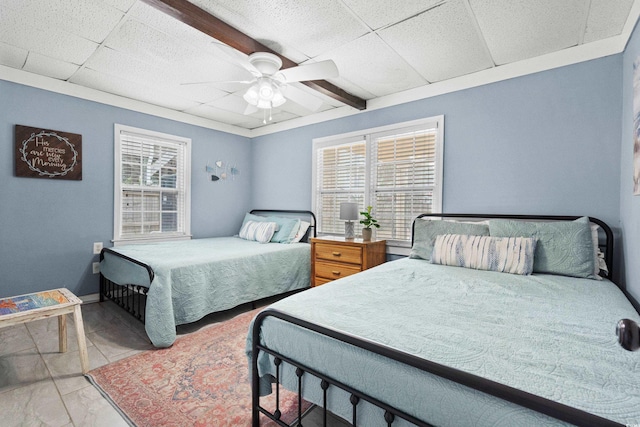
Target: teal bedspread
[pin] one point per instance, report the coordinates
(196, 277)
(552, 336)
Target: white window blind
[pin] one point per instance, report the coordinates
(396, 169)
(151, 185)
(341, 178)
(403, 169)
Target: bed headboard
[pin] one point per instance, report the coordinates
(605, 236)
(304, 215)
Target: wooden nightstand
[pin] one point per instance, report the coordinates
(336, 257)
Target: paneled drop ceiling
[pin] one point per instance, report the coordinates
(384, 50)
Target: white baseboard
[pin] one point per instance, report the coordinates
(87, 299)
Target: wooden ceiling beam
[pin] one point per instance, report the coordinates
(203, 21)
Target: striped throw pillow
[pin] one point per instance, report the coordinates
(504, 254)
(258, 231)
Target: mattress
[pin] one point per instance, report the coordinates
(552, 336)
(193, 278)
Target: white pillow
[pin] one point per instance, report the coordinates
(304, 226)
(258, 231)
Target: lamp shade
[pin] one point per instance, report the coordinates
(349, 211)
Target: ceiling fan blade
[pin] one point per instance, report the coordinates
(219, 82)
(302, 98)
(250, 110)
(314, 71)
(235, 57)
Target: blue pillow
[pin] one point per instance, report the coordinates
(563, 247)
(287, 229)
(425, 232)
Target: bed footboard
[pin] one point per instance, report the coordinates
(545, 406)
(132, 298)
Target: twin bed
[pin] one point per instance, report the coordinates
(425, 341)
(174, 283)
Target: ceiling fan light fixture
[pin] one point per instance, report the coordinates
(251, 95)
(264, 94)
(266, 90)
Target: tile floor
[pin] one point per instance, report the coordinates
(41, 387)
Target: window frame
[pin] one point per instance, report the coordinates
(399, 247)
(184, 145)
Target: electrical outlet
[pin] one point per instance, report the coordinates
(97, 247)
(96, 267)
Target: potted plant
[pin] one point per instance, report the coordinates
(368, 222)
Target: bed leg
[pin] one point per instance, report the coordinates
(300, 373)
(102, 290)
(354, 402)
(324, 384)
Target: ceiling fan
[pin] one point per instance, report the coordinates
(269, 86)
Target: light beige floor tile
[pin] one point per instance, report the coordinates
(66, 371)
(21, 369)
(87, 407)
(14, 339)
(117, 339)
(37, 404)
(45, 335)
(113, 311)
(98, 316)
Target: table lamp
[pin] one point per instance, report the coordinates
(349, 213)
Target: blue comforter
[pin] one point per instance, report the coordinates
(196, 277)
(552, 336)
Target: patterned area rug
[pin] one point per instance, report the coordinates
(202, 380)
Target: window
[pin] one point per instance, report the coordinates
(152, 185)
(396, 169)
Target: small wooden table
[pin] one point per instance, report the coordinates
(42, 305)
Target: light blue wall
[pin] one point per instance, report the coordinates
(49, 226)
(546, 143)
(629, 204)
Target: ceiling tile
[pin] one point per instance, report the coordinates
(146, 93)
(49, 67)
(380, 13)
(12, 56)
(376, 67)
(120, 65)
(89, 19)
(152, 17)
(147, 43)
(170, 54)
(123, 5)
(46, 40)
(519, 29)
(441, 43)
(310, 26)
(232, 102)
(209, 112)
(606, 19)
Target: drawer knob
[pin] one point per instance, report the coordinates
(337, 253)
(336, 273)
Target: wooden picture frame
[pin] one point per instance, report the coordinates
(45, 153)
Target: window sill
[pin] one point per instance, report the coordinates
(144, 240)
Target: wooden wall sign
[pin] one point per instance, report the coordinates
(44, 153)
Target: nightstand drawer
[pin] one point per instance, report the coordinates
(321, 281)
(339, 253)
(330, 270)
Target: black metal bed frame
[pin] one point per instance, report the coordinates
(133, 298)
(542, 405)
